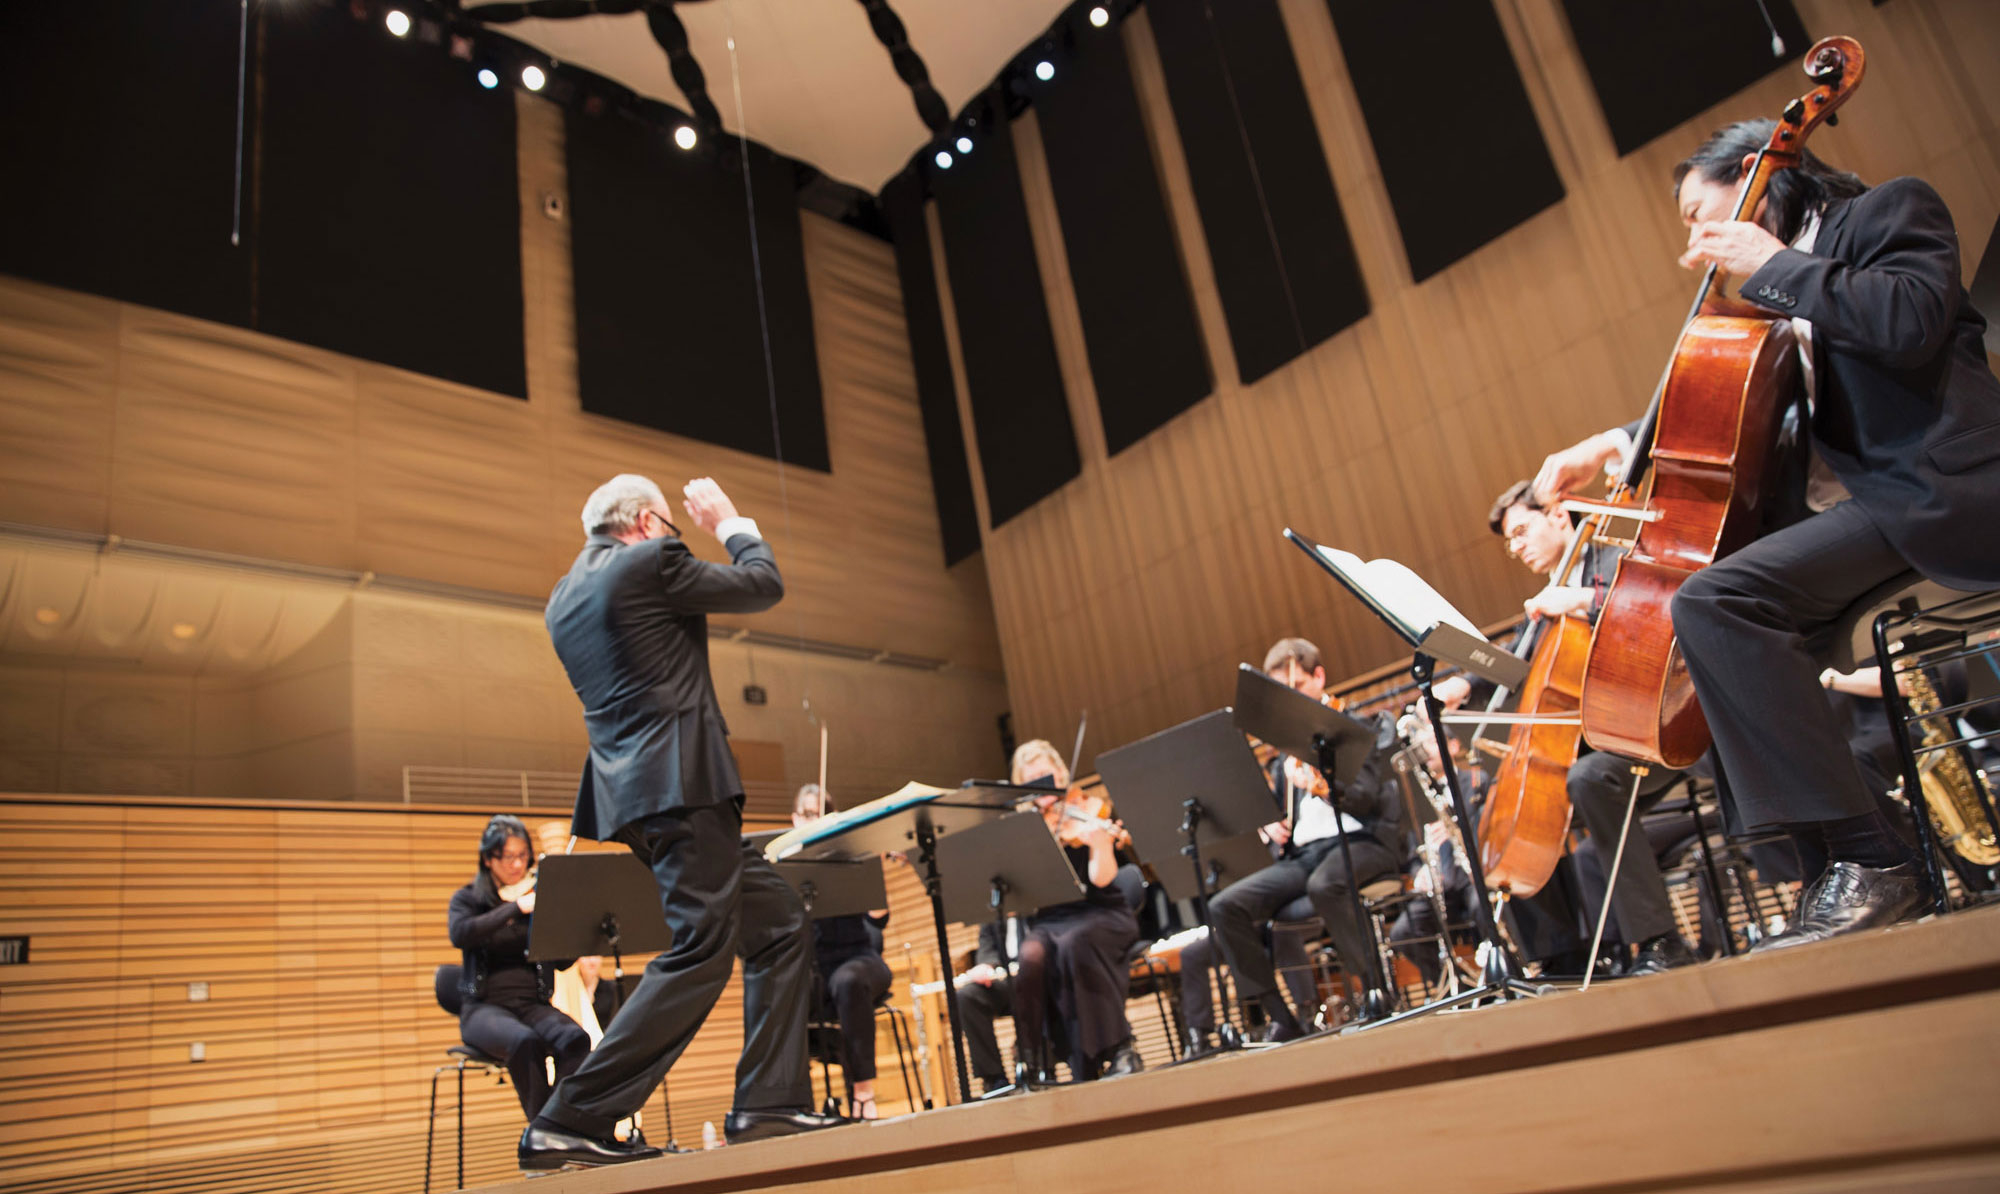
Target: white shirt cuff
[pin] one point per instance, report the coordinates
(729, 528)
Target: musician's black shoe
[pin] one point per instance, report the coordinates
(1198, 1045)
(551, 1146)
(741, 1127)
(1123, 1060)
(1661, 954)
(1847, 898)
(1278, 1031)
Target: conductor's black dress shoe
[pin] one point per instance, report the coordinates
(550, 1146)
(741, 1127)
(1847, 898)
(1663, 953)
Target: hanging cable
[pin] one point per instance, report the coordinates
(770, 364)
(1256, 176)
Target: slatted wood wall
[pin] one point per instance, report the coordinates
(1134, 590)
(316, 930)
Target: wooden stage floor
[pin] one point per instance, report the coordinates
(1871, 1063)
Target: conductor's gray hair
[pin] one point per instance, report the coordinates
(616, 505)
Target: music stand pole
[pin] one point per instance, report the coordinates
(1498, 978)
(934, 887)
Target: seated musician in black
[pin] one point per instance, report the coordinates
(1073, 960)
(1313, 863)
(987, 994)
(847, 960)
(1600, 783)
(1904, 477)
(505, 1010)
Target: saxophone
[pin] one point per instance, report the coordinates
(1952, 789)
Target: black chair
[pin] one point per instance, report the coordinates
(826, 1048)
(444, 981)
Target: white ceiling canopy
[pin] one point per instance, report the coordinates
(815, 83)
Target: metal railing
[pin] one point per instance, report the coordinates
(554, 790)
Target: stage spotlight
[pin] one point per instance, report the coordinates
(1045, 70)
(964, 145)
(532, 78)
(399, 22)
(1100, 16)
(487, 78)
(684, 136)
(943, 159)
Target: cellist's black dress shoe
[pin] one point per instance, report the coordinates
(1661, 954)
(551, 1146)
(741, 1127)
(1847, 898)
(1198, 1045)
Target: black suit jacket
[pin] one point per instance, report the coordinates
(630, 625)
(1907, 411)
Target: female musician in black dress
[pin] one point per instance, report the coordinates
(505, 1010)
(1073, 959)
(847, 958)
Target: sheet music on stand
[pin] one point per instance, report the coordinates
(1418, 613)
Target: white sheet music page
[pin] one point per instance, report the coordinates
(1398, 594)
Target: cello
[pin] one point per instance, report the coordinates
(1706, 438)
(1525, 826)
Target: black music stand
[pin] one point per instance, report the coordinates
(599, 903)
(830, 887)
(1337, 745)
(1008, 867)
(922, 825)
(1500, 978)
(1185, 788)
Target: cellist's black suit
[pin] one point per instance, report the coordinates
(1906, 412)
(629, 623)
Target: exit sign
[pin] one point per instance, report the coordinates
(13, 951)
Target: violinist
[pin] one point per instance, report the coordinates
(1902, 413)
(1312, 863)
(853, 977)
(1599, 783)
(505, 1010)
(1073, 959)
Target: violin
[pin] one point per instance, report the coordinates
(1076, 816)
(1706, 439)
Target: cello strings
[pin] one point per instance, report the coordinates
(770, 365)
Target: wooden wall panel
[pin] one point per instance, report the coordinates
(158, 427)
(316, 929)
(1133, 591)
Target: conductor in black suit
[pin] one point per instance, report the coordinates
(1902, 414)
(629, 624)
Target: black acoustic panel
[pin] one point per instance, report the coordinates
(1461, 155)
(1139, 325)
(388, 204)
(1283, 262)
(118, 138)
(1027, 448)
(1657, 65)
(667, 332)
(937, 398)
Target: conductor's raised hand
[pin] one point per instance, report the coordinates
(706, 504)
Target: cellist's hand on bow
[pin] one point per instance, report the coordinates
(1573, 467)
(1736, 247)
(1559, 601)
(1452, 691)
